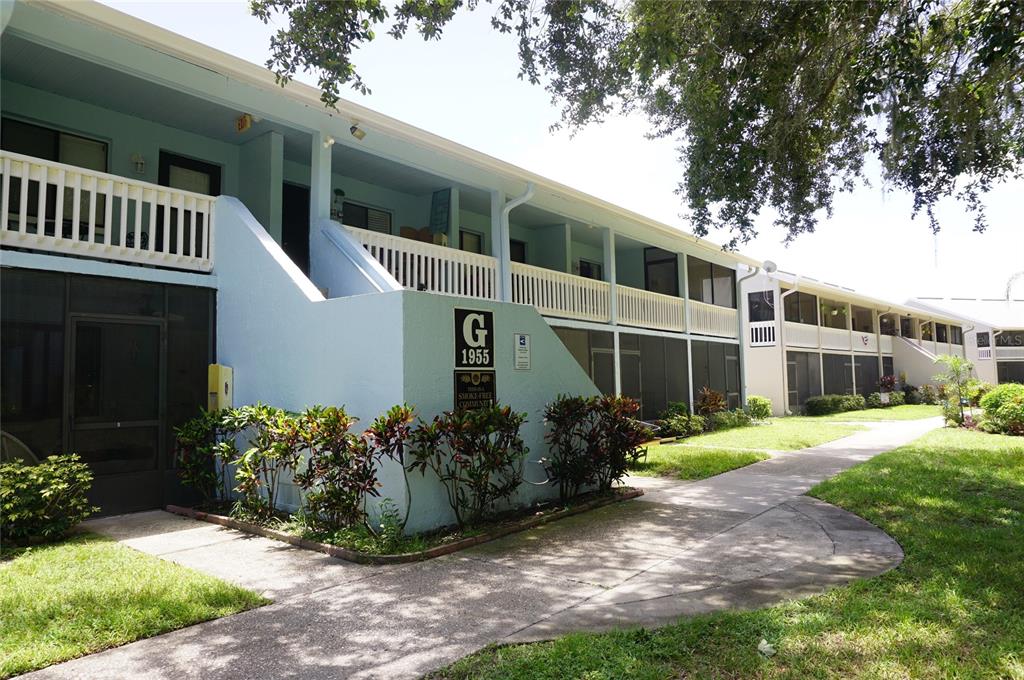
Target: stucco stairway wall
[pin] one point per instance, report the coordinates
(917, 362)
(292, 348)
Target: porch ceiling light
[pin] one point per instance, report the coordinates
(329, 142)
(357, 132)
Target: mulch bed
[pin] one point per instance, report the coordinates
(490, 534)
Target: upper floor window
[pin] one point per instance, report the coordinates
(983, 339)
(1010, 339)
(863, 320)
(887, 325)
(956, 335)
(941, 332)
(906, 327)
(661, 271)
(591, 270)
(53, 145)
(761, 305)
(927, 331)
(517, 251)
(710, 283)
(801, 308)
(471, 242)
(833, 314)
(364, 217)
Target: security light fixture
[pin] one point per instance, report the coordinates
(329, 142)
(357, 132)
(770, 267)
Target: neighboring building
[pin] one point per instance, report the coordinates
(806, 338)
(997, 327)
(167, 206)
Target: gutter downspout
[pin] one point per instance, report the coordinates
(742, 335)
(878, 341)
(505, 260)
(782, 341)
(963, 339)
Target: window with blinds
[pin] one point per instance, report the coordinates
(364, 217)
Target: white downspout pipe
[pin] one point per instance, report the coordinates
(743, 335)
(505, 259)
(782, 340)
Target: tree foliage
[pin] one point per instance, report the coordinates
(775, 105)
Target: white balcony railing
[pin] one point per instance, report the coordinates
(425, 266)
(560, 294)
(864, 342)
(64, 209)
(835, 338)
(708, 319)
(650, 310)
(762, 333)
(801, 334)
(886, 344)
(1011, 353)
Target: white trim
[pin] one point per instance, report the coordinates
(92, 267)
(594, 326)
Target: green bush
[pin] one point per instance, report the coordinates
(677, 425)
(1004, 409)
(44, 501)
(874, 400)
(696, 425)
(675, 408)
(709, 401)
(929, 395)
(976, 389)
(727, 420)
(834, 403)
(912, 395)
(759, 408)
(897, 399)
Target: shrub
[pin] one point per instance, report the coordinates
(874, 400)
(887, 383)
(759, 408)
(912, 395)
(675, 408)
(1004, 409)
(676, 426)
(834, 403)
(710, 402)
(594, 440)
(696, 425)
(955, 379)
(274, 447)
(44, 501)
(727, 420)
(976, 389)
(203, 455)
(929, 395)
(477, 455)
(897, 399)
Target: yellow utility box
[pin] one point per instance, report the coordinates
(221, 387)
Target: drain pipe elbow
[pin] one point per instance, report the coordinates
(505, 259)
(743, 336)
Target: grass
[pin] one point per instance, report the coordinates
(88, 593)
(954, 499)
(905, 412)
(687, 462)
(778, 434)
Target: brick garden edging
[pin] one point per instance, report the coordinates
(403, 558)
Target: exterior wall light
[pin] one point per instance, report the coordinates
(139, 163)
(329, 142)
(357, 132)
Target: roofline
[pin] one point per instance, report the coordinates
(210, 58)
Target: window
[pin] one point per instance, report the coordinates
(365, 217)
(1010, 339)
(984, 340)
(189, 174)
(801, 308)
(886, 325)
(710, 283)
(661, 271)
(761, 305)
(906, 327)
(863, 321)
(956, 335)
(517, 251)
(942, 332)
(927, 331)
(833, 314)
(591, 270)
(837, 370)
(471, 242)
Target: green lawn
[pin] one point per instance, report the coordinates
(686, 462)
(905, 412)
(778, 434)
(954, 609)
(88, 593)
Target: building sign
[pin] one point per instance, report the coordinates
(474, 338)
(521, 344)
(474, 389)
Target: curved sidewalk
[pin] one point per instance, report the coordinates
(746, 538)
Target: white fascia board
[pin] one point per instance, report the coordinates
(231, 77)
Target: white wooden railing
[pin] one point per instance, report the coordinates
(835, 338)
(1013, 352)
(708, 319)
(801, 334)
(429, 267)
(762, 333)
(646, 309)
(65, 209)
(560, 294)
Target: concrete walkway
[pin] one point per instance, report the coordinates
(747, 538)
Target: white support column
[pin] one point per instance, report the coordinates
(684, 276)
(320, 177)
(499, 248)
(849, 337)
(821, 355)
(608, 250)
(568, 249)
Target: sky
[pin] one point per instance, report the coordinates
(465, 88)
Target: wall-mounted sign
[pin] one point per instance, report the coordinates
(474, 389)
(521, 345)
(474, 338)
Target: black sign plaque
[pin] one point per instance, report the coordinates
(474, 338)
(474, 389)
